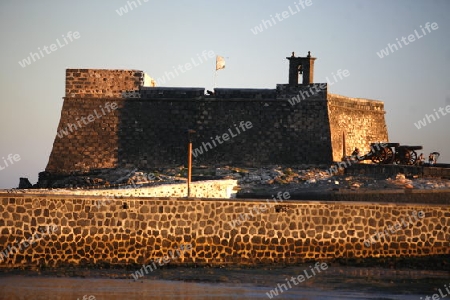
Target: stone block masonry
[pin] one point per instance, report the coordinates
(141, 230)
(361, 120)
(94, 83)
(92, 146)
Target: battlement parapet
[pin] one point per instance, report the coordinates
(102, 83)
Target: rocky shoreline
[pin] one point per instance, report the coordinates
(313, 178)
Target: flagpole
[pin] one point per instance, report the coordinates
(215, 77)
(215, 74)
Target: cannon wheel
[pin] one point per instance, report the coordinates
(405, 157)
(384, 156)
(412, 157)
(389, 156)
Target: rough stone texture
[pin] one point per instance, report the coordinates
(149, 130)
(434, 196)
(140, 230)
(441, 197)
(361, 120)
(91, 146)
(94, 83)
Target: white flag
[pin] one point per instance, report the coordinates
(220, 63)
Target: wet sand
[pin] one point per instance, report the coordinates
(216, 283)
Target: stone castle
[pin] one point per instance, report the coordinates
(119, 118)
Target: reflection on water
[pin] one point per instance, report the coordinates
(335, 283)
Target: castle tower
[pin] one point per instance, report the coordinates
(303, 66)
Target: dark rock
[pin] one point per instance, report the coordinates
(24, 183)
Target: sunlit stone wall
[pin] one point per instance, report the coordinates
(98, 83)
(132, 230)
(361, 120)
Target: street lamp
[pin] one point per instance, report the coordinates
(189, 175)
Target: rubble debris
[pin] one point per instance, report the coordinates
(269, 178)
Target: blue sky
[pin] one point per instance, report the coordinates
(157, 35)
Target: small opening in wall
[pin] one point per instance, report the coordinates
(125, 206)
(281, 208)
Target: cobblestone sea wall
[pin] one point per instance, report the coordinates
(141, 230)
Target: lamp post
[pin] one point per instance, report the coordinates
(189, 175)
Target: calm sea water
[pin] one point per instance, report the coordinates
(183, 283)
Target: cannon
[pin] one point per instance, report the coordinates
(406, 155)
(389, 153)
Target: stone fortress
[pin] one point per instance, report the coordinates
(119, 119)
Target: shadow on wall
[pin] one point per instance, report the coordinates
(153, 133)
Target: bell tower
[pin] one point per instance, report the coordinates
(303, 66)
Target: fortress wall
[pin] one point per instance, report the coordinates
(149, 133)
(152, 132)
(87, 136)
(101, 83)
(139, 230)
(97, 83)
(362, 121)
(125, 124)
